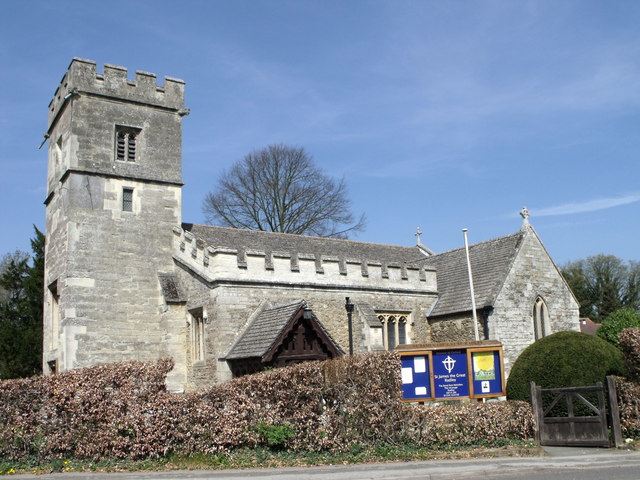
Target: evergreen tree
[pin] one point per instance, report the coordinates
(604, 284)
(22, 288)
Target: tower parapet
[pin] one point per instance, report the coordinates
(105, 124)
(82, 77)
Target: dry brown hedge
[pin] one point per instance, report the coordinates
(123, 411)
(630, 345)
(629, 405)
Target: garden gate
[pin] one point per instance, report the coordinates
(576, 421)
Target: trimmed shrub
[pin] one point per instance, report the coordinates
(109, 411)
(123, 411)
(629, 406)
(482, 424)
(630, 346)
(564, 359)
(616, 323)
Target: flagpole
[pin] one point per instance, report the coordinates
(473, 295)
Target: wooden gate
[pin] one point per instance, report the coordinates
(566, 417)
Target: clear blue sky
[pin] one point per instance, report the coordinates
(439, 114)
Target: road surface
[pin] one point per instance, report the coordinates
(560, 463)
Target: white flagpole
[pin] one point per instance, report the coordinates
(473, 295)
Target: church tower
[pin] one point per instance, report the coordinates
(113, 198)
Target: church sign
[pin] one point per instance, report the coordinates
(451, 371)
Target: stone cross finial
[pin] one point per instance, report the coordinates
(524, 213)
(417, 234)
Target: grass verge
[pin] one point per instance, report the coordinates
(269, 458)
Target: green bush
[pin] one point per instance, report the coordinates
(564, 359)
(274, 436)
(617, 322)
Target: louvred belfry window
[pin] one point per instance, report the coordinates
(126, 143)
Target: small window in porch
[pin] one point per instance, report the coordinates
(197, 335)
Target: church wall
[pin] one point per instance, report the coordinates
(174, 344)
(230, 307)
(533, 274)
(109, 291)
(456, 328)
(159, 141)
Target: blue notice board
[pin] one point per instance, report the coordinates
(452, 371)
(416, 377)
(450, 374)
(486, 371)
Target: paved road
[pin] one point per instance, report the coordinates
(561, 463)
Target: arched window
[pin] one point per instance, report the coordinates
(402, 330)
(540, 319)
(391, 333)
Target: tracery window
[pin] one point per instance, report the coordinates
(540, 316)
(395, 329)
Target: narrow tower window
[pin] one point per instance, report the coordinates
(127, 199)
(126, 143)
(57, 150)
(54, 295)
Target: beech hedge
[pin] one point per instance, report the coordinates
(123, 411)
(629, 340)
(629, 405)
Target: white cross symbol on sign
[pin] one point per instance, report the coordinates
(449, 363)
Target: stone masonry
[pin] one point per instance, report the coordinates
(102, 263)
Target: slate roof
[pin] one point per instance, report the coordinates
(490, 264)
(264, 330)
(302, 244)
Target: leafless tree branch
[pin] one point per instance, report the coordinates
(280, 189)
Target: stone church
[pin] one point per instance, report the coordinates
(127, 279)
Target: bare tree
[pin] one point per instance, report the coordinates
(280, 189)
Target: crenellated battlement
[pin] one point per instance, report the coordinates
(215, 263)
(82, 77)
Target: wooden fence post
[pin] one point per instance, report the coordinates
(615, 412)
(536, 410)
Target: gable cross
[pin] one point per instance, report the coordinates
(524, 213)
